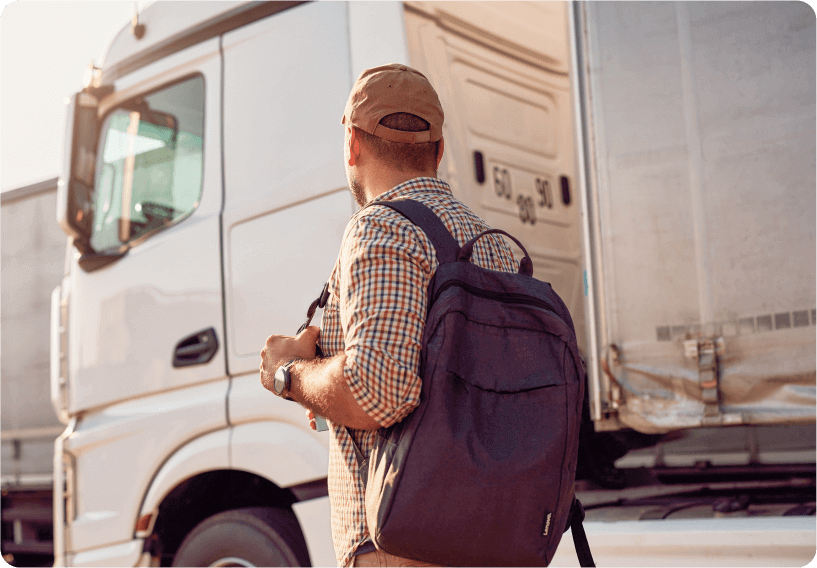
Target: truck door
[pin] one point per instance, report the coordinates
(287, 203)
(152, 320)
(699, 148)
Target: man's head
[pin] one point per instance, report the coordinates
(394, 113)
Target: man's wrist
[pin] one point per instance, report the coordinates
(282, 384)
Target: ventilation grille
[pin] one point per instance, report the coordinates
(743, 326)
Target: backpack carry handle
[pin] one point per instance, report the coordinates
(525, 265)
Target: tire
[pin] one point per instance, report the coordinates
(258, 536)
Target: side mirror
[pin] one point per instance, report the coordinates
(76, 186)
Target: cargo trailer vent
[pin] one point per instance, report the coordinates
(742, 326)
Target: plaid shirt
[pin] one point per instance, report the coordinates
(375, 314)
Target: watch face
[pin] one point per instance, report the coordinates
(279, 383)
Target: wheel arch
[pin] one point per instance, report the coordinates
(204, 495)
(241, 466)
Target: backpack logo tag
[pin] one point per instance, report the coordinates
(547, 524)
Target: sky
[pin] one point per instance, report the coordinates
(45, 48)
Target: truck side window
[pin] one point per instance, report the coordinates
(149, 164)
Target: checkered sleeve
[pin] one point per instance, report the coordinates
(382, 312)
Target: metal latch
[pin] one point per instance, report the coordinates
(708, 351)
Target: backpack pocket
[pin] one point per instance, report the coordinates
(511, 358)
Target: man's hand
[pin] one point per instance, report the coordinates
(320, 387)
(281, 348)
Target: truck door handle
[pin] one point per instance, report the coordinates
(196, 349)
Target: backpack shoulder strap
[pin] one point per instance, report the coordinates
(444, 242)
(579, 537)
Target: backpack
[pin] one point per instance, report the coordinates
(481, 473)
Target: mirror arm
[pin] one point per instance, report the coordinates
(82, 245)
(100, 92)
(90, 261)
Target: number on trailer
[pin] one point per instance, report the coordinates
(502, 182)
(527, 210)
(545, 193)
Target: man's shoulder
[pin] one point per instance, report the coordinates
(375, 217)
(379, 226)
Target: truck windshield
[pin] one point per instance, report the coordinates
(149, 164)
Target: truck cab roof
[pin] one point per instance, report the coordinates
(173, 26)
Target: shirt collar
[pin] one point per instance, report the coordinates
(413, 186)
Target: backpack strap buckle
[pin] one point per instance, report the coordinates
(319, 302)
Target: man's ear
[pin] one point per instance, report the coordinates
(354, 147)
(440, 152)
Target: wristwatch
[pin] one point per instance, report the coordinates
(283, 380)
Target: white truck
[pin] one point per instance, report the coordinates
(657, 162)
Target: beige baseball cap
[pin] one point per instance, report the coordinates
(381, 91)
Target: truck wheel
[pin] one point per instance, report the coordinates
(258, 536)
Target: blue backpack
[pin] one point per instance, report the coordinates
(481, 473)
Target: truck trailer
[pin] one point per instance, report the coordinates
(33, 253)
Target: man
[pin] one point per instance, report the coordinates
(373, 321)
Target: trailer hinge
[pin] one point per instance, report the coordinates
(707, 351)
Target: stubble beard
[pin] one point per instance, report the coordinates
(357, 190)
